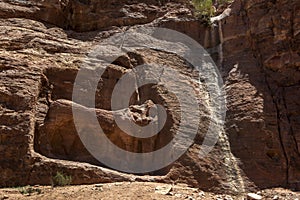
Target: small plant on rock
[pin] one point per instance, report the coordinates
(208, 8)
(28, 190)
(61, 179)
(204, 8)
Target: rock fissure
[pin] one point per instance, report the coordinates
(278, 116)
(275, 103)
(289, 122)
(279, 102)
(255, 46)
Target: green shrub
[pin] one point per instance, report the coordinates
(206, 9)
(61, 179)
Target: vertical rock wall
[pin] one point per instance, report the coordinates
(260, 65)
(256, 47)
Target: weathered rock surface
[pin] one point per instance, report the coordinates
(88, 15)
(58, 137)
(39, 64)
(260, 64)
(256, 48)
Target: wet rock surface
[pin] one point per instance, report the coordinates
(256, 48)
(39, 64)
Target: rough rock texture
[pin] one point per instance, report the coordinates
(87, 15)
(24, 101)
(39, 63)
(256, 48)
(58, 138)
(260, 63)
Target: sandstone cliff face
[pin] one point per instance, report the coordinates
(88, 15)
(260, 63)
(256, 48)
(39, 65)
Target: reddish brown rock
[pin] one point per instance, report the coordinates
(89, 15)
(257, 49)
(38, 67)
(58, 137)
(261, 68)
